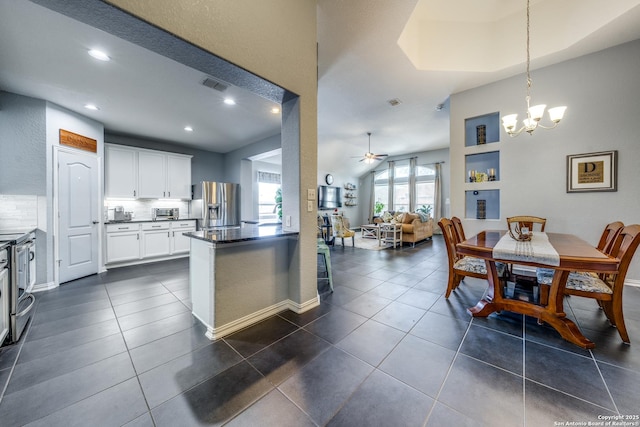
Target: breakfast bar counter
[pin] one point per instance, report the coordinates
(239, 275)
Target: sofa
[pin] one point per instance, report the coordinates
(413, 228)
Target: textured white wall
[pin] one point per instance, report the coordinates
(602, 93)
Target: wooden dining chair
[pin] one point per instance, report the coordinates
(457, 226)
(461, 266)
(607, 291)
(605, 245)
(526, 221)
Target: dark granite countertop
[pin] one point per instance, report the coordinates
(242, 233)
(12, 235)
(137, 220)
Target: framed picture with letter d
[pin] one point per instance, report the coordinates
(592, 172)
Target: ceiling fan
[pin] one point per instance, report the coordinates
(370, 157)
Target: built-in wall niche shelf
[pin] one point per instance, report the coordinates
(482, 167)
(482, 204)
(482, 130)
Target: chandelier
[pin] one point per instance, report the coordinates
(535, 113)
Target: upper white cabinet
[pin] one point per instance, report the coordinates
(152, 175)
(178, 177)
(146, 174)
(121, 171)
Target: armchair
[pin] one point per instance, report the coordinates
(341, 230)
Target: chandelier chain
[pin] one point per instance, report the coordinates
(528, 59)
(534, 114)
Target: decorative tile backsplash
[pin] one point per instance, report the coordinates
(18, 212)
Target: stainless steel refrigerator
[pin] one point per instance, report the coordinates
(216, 204)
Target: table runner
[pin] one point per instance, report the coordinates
(538, 250)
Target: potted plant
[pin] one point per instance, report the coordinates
(378, 207)
(278, 206)
(425, 209)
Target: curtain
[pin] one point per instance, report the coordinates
(412, 183)
(437, 194)
(372, 197)
(392, 165)
(269, 177)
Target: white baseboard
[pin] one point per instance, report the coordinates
(632, 282)
(40, 287)
(231, 327)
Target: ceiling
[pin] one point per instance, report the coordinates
(370, 52)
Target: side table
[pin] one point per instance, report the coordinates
(371, 231)
(391, 233)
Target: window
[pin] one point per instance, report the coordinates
(401, 202)
(268, 185)
(424, 187)
(381, 190)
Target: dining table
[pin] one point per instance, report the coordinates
(562, 252)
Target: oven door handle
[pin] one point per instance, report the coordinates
(28, 309)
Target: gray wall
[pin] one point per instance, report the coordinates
(232, 160)
(22, 142)
(602, 93)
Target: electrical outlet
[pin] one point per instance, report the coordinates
(287, 221)
(310, 206)
(311, 194)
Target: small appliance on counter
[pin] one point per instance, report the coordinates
(165, 213)
(120, 215)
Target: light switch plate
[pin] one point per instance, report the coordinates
(309, 205)
(311, 194)
(287, 221)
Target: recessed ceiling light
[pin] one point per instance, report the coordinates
(91, 107)
(229, 101)
(99, 55)
(275, 110)
(188, 128)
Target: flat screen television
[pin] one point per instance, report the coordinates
(329, 197)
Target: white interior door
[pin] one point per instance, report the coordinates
(78, 221)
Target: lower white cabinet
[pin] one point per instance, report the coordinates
(181, 243)
(156, 239)
(123, 242)
(142, 241)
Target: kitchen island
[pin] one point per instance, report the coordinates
(240, 275)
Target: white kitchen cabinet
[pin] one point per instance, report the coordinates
(121, 171)
(137, 242)
(180, 243)
(152, 174)
(146, 174)
(178, 177)
(156, 239)
(123, 242)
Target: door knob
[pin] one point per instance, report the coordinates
(96, 222)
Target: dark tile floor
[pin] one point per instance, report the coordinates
(385, 349)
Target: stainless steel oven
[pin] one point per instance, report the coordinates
(4, 292)
(21, 300)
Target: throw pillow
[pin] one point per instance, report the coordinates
(408, 218)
